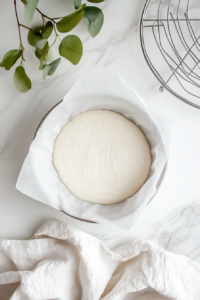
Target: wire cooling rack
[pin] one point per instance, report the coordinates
(170, 40)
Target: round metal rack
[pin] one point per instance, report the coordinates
(170, 33)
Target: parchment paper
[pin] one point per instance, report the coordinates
(97, 89)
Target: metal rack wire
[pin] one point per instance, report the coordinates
(167, 31)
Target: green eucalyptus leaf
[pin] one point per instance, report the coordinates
(41, 63)
(41, 44)
(95, 1)
(51, 68)
(41, 52)
(94, 18)
(21, 80)
(77, 3)
(30, 6)
(54, 64)
(50, 55)
(38, 53)
(35, 38)
(47, 30)
(45, 49)
(46, 71)
(69, 22)
(71, 48)
(45, 52)
(10, 58)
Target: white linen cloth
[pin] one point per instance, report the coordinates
(61, 262)
(98, 89)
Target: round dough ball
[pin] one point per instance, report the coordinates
(102, 157)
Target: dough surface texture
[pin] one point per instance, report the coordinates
(102, 157)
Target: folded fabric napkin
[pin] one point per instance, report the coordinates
(61, 262)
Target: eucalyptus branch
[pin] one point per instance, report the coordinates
(70, 47)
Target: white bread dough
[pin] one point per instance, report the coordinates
(102, 157)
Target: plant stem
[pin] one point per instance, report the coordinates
(57, 18)
(45, 15)
(54, 40)
(57, 35)
(43, 21)
(15, 4)
(27, 28)
(20, 38)
(60, 39)
(62, 42)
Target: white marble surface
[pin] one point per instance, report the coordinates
(172, 219)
